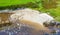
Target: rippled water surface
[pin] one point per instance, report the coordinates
(25, 30)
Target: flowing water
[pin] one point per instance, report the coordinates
(23, 29)
(26, 30)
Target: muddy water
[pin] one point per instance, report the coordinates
(4, 16)
(17, 30)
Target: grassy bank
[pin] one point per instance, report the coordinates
(13, 2)
(35, 4)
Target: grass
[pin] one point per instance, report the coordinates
(56, 12)
(53, 12)
(13, 2)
